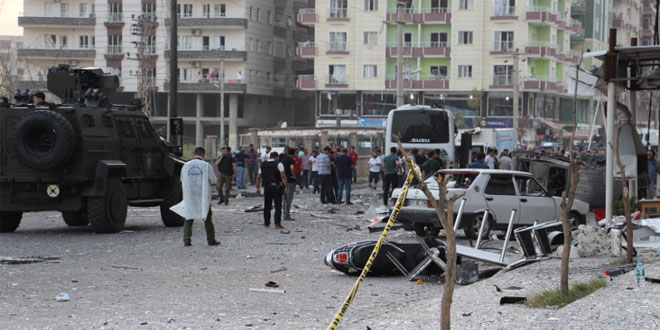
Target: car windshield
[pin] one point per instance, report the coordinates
(459, 179)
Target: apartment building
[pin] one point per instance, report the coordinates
(458, 54)
(252, 40)
(11, 69)
(594, 16)
(627, 19)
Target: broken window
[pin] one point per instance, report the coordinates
(527, 186)
(556, 183)
(500, 184)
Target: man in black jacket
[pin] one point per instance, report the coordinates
(273, 175)
(291, 182)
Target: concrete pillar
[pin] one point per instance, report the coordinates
(199, 128)
(309, 144)
(254, 140)
(210, 144)
(233, 126)
(324, 139)
(353, 140)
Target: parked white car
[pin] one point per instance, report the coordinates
(497, 191)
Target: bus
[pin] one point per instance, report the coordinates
(420, 126)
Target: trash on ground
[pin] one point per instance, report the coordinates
(512, 300)
(62, 297)
(26, 260)
(319, 215)
(272, 284)
(239, 196)
(285, 232)
(266, 290)
(256, 208)
(467, 273)
(419, 282)
(652, 280)
(278, 270)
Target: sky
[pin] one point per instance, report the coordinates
(9, 17)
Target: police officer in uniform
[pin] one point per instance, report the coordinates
(274, 181)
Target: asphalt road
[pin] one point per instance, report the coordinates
(143, 277)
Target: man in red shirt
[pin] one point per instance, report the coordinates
(298, 164)
(354, 158)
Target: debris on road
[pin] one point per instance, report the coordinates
(267, 290)
(256, 208)
(272, 284)
(62, 297)
(278, 270)
(512, 300)
(26, 260)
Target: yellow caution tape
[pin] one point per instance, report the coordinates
(395, 212)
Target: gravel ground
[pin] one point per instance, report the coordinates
(143, 278)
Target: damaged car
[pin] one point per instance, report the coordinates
(495, 191)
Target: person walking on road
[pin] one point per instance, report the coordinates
(291, 182)
(252, 164)
(241, 163)
(391, 174)
(506, 163)
(491, 159)
(354, 157)
(433, 164)
(344, 165)
(315, 171)
(374, 170)
(325, 165)
(266, 154)
(333, 173)
(304, 180)
(273, 177)
(479, 162)
(653, 171)
(227, 168)
(196, 178)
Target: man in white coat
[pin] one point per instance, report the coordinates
(196, 178)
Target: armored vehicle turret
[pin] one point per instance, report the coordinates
(86, 157)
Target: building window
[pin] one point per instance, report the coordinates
(114, 44)
(338, 9)
(337, 74)
(438, 72)
(219, 10)
(50, 41)
(439, 6)
(337, 42)
(370, 38)
(63, 42)
(206, 10)
(370, 71)
(502, 75)
(257, 18)
(407, 39)
(464, 37)
(151, 45)
(505, 7)
(84, 10)
(370, 5)
(51, 10)
(503, 41)
(114, 12)
(64, 10)
(269, 17)
(219, 42)
(149, 11)
(465, 71)
(250, 13)
(438, 39)
(257, 46)
(83, 42)
(269, 47)
(187, 10)
(466, 4)
(185, 42)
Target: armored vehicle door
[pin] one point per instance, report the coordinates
(152, 153)
(130, 145)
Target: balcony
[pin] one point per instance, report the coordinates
(502, 47)
(47, 21)
(209, 54)
(114, 53)
(420, 50)
(535, 83)
(208, 85)
(573, 56)
(434, 15)
(409, 16)
(540, 49)
(336, 81)
(540, 15)
(307, 16)
(502, 81)
(306, 49)
(306, 82)
(576, 27)
(338, 15)
(209, 21)
(421, 83)
(300, 64)
(337, 48)
(115, 17)
(504, 14)
(57, 53)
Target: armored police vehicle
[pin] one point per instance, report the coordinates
(86, 157)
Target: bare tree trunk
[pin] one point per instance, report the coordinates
(626, 199)
(567, 199)
(446, 220)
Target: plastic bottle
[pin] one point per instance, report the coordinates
(639, 272)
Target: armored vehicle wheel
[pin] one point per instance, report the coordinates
(107, 214)
(76, 219)
(44, 140)
(172, 195)
(474, 224)
(9, 221)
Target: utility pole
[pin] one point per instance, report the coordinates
(172, 111)
(222, 103)
(515, 100)
(399, 53)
